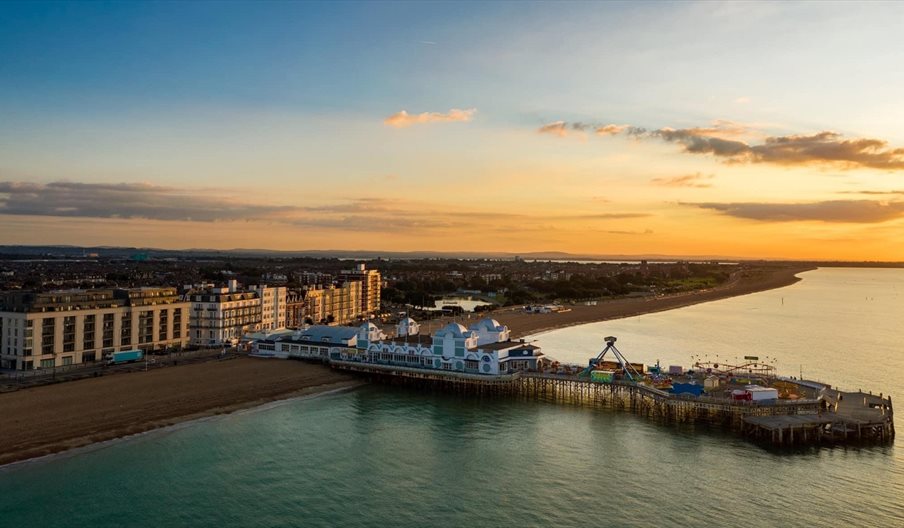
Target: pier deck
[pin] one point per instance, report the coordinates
(834, 417)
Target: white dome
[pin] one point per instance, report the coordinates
(453, 329)
(488, 324)
(408, 326)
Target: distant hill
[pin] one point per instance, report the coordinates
(107, 251)
(366, 254)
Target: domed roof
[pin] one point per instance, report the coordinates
(487, 323)
(453, 329)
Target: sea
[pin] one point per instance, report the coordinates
(385, 456)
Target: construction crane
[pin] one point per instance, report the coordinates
(629, 371)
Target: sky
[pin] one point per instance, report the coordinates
(750, 130)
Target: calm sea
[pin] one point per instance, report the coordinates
(379, 456)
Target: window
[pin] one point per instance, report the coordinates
(108, 330)
(47, 363)
(125, 331)
(177, 323)
(69, 334)
(67, 360)
(88, 332)
(48, 327)
(164, 324)
(88, 357)
(146, 326)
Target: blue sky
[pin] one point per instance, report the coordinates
(285, 103)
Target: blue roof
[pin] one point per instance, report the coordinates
(328, 334)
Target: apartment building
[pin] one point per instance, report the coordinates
(221, 316)
(69, 327)
(371, 284)
(338, 304)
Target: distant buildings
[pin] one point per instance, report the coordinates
(221, 316)
(59, 328)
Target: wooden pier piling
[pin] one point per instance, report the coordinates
(832, 418)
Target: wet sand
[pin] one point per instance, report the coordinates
(53, 418)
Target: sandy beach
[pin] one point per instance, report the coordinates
(44, 420)
(53, 418)
(758, 279)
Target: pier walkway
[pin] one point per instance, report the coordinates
(844, 417)
(834, 417)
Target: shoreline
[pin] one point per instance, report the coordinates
(188, 421)
(46, 421)
(523, 325)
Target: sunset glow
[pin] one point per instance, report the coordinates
(603, 129)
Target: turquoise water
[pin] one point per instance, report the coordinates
(381, 456)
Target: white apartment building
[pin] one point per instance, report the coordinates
(221, 316)
(60, 328)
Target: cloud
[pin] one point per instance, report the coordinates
(644, 232)
(598, 216)
(610, 130)
(403, 119)
(556, 128)
(742, 100)
(121, 200)
(736, 143)
(823, 148)
(828, 148)
(564, 128)
(696, 180)
(144, 201)
(880, 193)
(836, 211)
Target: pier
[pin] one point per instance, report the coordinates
(832, 418)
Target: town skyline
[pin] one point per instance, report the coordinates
(505, 128)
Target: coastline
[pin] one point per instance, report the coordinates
(51, 419)
(47, 420)
(524, 324)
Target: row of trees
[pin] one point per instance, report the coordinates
(416, 291)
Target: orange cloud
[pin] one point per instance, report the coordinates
(403, 119)
(696, 180)
(556, 128)
(722, 140)
(610, 130)
(839, 211)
